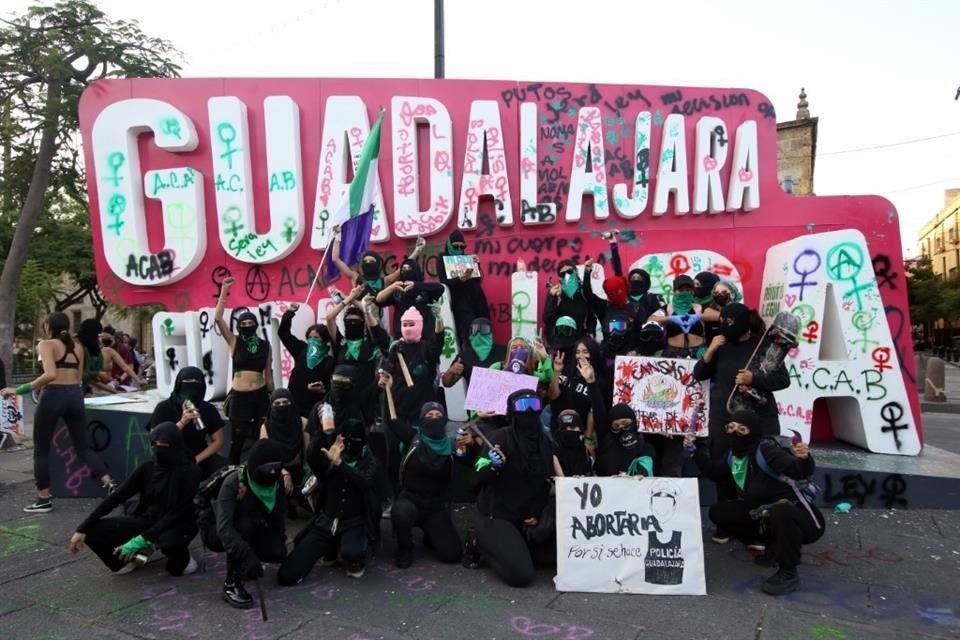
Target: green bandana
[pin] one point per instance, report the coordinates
(353, 349)
(571, 284)
(682, 302)
(636, 298)
(252, 344)
(267, 495)
(440, 446)
(452, 251)
(376, 285)
(704, 301)
(317, 352)
(482, 345)
(738, 466)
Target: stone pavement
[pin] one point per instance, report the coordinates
(876, 574)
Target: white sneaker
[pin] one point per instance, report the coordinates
(192, 566)
(356, 570)
(125, 569)
(387, 511)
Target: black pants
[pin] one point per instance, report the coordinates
(107, 534)
(241, 433)
(210, 465)
(507, 551)
(436, 524)
(268, 545)
(248, 410)
(669, 460)
(719, 450)
(788, 528)
(61, 401)
(316, 541)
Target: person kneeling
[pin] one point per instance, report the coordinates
(344, 519)
(250, 524)
(771, 510)
(164, 517)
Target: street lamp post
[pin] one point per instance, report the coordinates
(438, 38)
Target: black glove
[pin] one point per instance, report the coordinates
(251, 568)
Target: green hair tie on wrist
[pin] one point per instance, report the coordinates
(24, 389)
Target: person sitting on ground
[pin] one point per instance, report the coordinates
(767, 513)
(285, 427)
(164, 517)
(623, 450)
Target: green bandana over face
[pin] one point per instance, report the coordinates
(682, 302)
(317, 352)
(353, 349)
(440, 446)
(453, 251)
(267, 495)
(571, 284)
(482, 344)
(252, 344)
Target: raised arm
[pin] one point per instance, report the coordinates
(294, 345)
(335, 256)
(222, 324)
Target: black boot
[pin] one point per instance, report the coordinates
(404, 557)
(784, 581)
(471, 551)
(233, 591)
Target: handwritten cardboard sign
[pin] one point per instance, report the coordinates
(458, 266)
(11, 419)
(490, 388)
(663, 393)
(623, 535)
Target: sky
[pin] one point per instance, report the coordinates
(876, 72)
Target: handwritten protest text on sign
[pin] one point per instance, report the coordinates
(663, 393)
(490, 388)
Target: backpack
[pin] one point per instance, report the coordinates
(208, 492)
(806, 490)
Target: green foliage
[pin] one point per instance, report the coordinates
(35, 295)
(931, 297)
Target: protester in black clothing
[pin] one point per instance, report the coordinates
(567, 298)
(724, 365)
(345, 476)
(651, 339)
(423, 496)
(362, 344)
(766, 511)
(312, 361)
(250, 524)
(285, 427)
(468, 302)
(642, 304)
(164, 517)
(513, 482)
(410, 291)
(577, 385)
(417, 356)
(371, 273)
(478, 351)
(703, 287)
(724, 293)
(622, 448)
(616, 316)
(570, 456)
(196, 424)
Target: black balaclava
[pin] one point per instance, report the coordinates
(89, 335)
(247, 332)
(734, 321)
(433, 427)
(192, 391)
(414, 274)
(569, 429)
(455, 236)
(637, 289)
(703, 293)
(371, 272)
(529, 436)
(353, 324)
(629, 437)
(284, 425)
(745, 445)
(354, 439)
(170, 463)
(340, 395)
(265, 452)
(524, 422)
(651, 339)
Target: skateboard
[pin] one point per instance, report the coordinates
(779, 338)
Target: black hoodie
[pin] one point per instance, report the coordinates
(171, 410)
(420, 296)
(467, 299)
(301, 375)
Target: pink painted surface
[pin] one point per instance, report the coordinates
(742, 237)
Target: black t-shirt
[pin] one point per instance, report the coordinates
(196, 440)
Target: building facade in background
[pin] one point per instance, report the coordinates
(939, 240)
(797, 150)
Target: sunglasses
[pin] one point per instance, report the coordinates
(527, 403)
(481, 329)
(617, 325)
(564, 274)
(271, 468)
(739, 429)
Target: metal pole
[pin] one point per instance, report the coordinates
(438, 38)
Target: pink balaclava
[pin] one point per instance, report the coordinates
(414, 333)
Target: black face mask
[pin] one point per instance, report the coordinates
(247, 331)
(735, 330)
(434, 427)
(264, 478)
(165, 456)
(741, 445)
(570, 439)
(353, 328)
(338, 396)
(353, 448)
(629, 437)
(526, 421)
(701, 292)
(192, 391)
(282, 412)
(721, 299)
(638, 287)
(370, 270)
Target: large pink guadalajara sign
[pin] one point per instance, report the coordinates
(239, 177)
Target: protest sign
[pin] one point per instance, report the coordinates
(663, 393)
(457, 266)
(490, 388)
(628, 535)
(11, 420)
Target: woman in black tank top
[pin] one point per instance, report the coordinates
(252, 377)
(61, 397)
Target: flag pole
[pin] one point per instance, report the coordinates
(317, 274)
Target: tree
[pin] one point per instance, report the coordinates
(48, 56)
